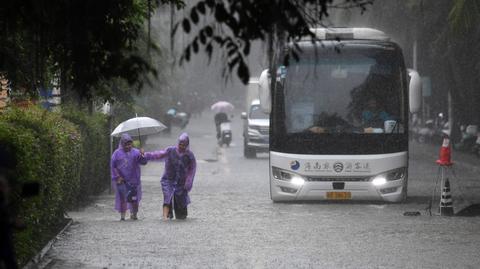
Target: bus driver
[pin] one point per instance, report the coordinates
(373, 116)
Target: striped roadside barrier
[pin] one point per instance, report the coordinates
(446, 204)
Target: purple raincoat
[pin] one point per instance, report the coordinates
(179, 172)
(126, 165)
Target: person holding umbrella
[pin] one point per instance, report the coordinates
(221, 108)
(177, 180)
(125, 172)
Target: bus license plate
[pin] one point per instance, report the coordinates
(340, 195)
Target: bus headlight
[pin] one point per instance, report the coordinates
(284, 175)
(392, 175)
(379, 181)
(299, 181)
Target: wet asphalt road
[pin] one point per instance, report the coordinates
(233, 223)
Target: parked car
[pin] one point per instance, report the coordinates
(256, 130)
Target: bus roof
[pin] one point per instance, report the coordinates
(348, 34)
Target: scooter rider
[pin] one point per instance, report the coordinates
(219, 119)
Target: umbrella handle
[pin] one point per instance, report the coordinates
(139, 138)
(138, 130)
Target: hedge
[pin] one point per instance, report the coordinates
(95, 148)
(68, 158)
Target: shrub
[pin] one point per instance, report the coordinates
(67, 157)
(94, 130)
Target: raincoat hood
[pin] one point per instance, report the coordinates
(183, 138)
(125, 138)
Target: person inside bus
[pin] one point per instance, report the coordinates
(373, 116)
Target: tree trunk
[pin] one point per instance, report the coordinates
(90, 107)
(456, 102)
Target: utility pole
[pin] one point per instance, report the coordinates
(149, 27)
(415, 66)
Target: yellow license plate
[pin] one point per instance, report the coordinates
(339, 195)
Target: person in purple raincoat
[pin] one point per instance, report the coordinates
(125, 172)
(177, 180)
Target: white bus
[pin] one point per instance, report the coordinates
(339, 119)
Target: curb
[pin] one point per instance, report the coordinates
(34, 262)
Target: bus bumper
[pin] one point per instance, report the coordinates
(392, 191)
(381, 177)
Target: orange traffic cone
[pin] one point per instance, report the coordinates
(446, 204)
(445, 153)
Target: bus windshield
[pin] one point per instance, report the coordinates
(356, 89)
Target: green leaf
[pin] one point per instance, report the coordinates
(187, 53)
(243, 72)
(232, 63)
(186, 25)
(221, 14)
(210, 3)
(174, 30)
(194, 15)
(246, 48)
(209, 31)
(201, 7)
(203, 38)
(209, 50)
(195, 45)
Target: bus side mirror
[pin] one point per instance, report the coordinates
(264, 91)
(244, 115)
(415, 91)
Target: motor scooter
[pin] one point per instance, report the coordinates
(430, 133)
(225, 134)
(180, 119)
(425, 133)
(468, 139)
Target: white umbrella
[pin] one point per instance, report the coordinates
(222, 106)
(138, 126)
